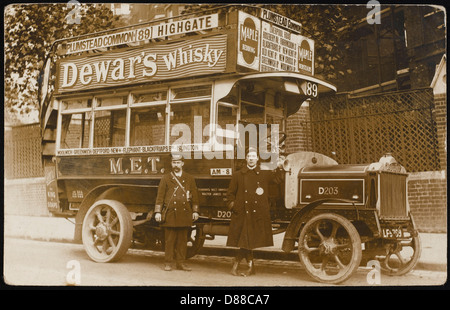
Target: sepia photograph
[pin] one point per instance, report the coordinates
(225, 147)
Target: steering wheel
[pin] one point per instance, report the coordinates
(270, 144)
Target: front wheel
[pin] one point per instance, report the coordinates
(329, 248)
(401, 255)
(107, 231)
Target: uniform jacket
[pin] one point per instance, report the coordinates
(251, 225)
(171, 196)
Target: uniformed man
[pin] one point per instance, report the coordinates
(251, 225)
(178, 199)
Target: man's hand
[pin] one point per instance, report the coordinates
(230, 206)
(158, 217)
(280, 161)
(195, 216)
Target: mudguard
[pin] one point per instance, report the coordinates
(296, 222)
(107, 191)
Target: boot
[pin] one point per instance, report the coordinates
(168, 267)
(234, 269)
(182, 266)
(250, 270)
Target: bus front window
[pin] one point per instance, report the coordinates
(252, 114)
(226, 123)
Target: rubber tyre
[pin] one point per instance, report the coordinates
(408, 265)
(107, 231)
(345, 228)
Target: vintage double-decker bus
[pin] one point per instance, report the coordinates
(125, 99)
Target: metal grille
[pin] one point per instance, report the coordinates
(362, 129)
(104, 135)
(392, 195)
(102, 131)
(23, 152)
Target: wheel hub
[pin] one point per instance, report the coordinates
(102, 231)
(328, 247)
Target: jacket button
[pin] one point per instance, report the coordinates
(246, 211)
(174, 202)
(246, 201)
(245, 190)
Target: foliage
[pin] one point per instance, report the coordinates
(327, 25)
(29, 31)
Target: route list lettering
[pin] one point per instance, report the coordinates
(278, 50)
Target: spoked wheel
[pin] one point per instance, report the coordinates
(107, 231)
(401, 256)
(196, 239)
(329, 248)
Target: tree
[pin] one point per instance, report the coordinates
(30, 30)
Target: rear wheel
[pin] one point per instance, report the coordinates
(329, 248)
(107, 231)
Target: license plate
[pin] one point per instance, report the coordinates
(221, 171)
(392, 233)
(223, 214)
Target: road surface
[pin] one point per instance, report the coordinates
(38, 263)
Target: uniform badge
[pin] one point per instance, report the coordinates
(259, 191)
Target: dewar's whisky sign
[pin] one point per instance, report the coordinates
(136, 65)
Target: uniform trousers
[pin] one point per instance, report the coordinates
(175, 244)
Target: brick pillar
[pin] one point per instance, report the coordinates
(298, 130)
(427, 197)
(440, 114)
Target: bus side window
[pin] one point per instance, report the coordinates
(75, 130)
(182, 114)
(109, 128)
(148, 126)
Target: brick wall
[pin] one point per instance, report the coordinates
(25, 197)
(427, 196)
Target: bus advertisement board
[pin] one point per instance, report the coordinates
(144, 64)
(272, 45)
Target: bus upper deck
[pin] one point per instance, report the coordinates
(128, 87)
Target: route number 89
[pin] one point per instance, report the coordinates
(311, 89)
